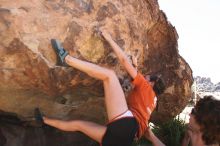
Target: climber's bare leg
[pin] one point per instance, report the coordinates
(114, 96)
(93, 130)
(114, 99)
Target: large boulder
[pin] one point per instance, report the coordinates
(14, 132)
(29, 73)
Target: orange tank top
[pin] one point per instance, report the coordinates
(142, 102)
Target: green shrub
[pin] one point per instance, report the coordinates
(172, 132)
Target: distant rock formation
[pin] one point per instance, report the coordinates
(217, 87)
(204, 84)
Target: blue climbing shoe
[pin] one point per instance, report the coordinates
(60, 51)
(38, 116)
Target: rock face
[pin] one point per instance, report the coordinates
(14, 132)
(29, 73)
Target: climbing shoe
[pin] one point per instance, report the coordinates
(60, 51)
(38, 116)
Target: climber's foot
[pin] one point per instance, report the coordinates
(60, 51)
(38, 116)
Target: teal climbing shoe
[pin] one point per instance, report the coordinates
(38, 116)
(60, 51)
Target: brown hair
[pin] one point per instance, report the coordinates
(159, 86)
(207, 115)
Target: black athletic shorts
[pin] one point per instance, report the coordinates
(120, 132)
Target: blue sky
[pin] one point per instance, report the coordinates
(198, 25)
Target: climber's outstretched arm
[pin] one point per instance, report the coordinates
(120, 54)
(151, 137)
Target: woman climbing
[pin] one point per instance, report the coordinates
(127, 120)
